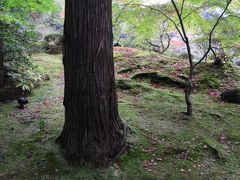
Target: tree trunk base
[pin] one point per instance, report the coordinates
(95, 154)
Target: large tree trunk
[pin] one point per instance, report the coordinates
(93, 131)
(2, 72)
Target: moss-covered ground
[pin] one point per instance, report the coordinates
(164, 143)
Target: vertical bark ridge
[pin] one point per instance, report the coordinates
(2, 73)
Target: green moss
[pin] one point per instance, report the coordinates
(232, 71)
(117, 55)
(154, 77)
(132, 86)
(214, 77)
(144, 54)
(206, 80)
(149, 113)
(233, 135)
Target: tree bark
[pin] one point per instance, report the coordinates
(93, 131)
(2, 72)
(188, 96)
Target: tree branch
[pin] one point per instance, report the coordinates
(181, 11)
(150, 43)
(164, 14)
(168, 43)
(184, 35)
(211, 33)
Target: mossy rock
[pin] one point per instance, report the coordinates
(154, 77)
(237, 63)
(128, 84)
(53, 43)
(123, 84)
(126, 70)
(10, 93)
(38, 47)
(231, 95)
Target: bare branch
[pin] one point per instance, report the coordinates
(181, 12)
(164, 48)
(195, 9)
(211, 33)
(234, 16)
(214, 54)
(168, 43)
(164, 14)
(185, 37)
(150, 43)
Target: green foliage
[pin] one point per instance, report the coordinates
(209, 80)
(138, 22)
(144, 22)
(42, 125)
(25, 76)
(16, 22)
(18, 36)
(202, 20)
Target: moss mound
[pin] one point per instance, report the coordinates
(154, 77)
(128, 84)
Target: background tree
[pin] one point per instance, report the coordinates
(93, 131)
(183, 33)
(140, 27)
(184, 10)
(163, 41)
(225, 40)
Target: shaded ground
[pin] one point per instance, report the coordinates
(164, 143)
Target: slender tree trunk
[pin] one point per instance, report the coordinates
(2, 73)
(93, 131)
(188, 96)
(189, 84)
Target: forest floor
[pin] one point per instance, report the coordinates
(164, 143)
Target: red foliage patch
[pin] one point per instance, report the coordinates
(177, 43)
(128, 52)
(214, 93)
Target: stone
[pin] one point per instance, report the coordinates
(54, 43)
(231, 96)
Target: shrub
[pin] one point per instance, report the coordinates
(25, 76)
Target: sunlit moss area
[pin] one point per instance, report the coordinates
(163, 142)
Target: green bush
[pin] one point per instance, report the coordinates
(25, 76)
(18, 37)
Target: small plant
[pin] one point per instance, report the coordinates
(42, 125)
(25, 76)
